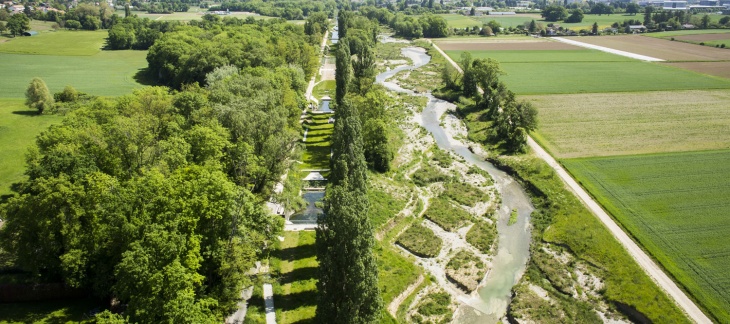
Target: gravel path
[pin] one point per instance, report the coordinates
(649, 266)
(269, 304)
(608, 50)
(393, 306)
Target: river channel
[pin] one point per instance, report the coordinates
(490, 302)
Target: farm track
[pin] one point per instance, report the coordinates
(644, 261)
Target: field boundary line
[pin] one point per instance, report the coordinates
(644, 261)
(608, 50)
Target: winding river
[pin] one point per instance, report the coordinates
(490, 302)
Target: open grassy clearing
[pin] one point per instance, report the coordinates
(534, 56)
(59, 311)
(588, 20)
(108, 73)
(317, 146)
(583, 125)
(659, 48)
(85, 43)
(324, 88)
(676, 206)
(511, 20)
(18, 128)
(295, 264)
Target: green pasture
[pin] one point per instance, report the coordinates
(460, 21)
(602, 20)
(108, 73)
(525, 56)
(318, 144)
(18, 128)
(604, 124)
(676, 205)
(510, 21)
(57, 43)
(591, 77)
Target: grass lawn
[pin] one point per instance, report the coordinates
(534, 56)
(316, 154)
(324, 88)
(108, 73)
(677, 207)
(511, 20)
(585, 125)
(295, 294)
(62, 42)
(60, 311)
(18, 128)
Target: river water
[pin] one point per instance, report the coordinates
(492, 298)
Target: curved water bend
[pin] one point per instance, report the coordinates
(508, 264)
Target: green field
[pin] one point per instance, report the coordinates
(59, 311)
(318, 144)
(602, 124)
(460, 21)
(63, 42)
(18, 128)
(108, 73)
(511, 21)
(588, 20)
(521, 56)
(295, 292)
(677, 207)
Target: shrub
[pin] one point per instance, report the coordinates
(482, 236)
(445, 214)
(427, 175)
(443, 158)
(464, 193)
(420, 241)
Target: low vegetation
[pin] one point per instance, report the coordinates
(444, 213)
(483, 236)
(317, 145)
(512, 217)
(466, 270)
(428, 174)
(294, 267)
(435, 307)
(420, 241)
(464, 193)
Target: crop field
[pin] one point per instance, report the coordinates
(718, 69)
(85, 43)
(532, 56)
(109, 73)
(602, 124)
(659, 48)
(593, 77)
(676, 206)
(525, 44)
(18, 128)
(317, 145)
(688, 32)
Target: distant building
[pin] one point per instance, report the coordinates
(16, 9)
(675, 5)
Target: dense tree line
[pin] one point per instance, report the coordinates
(288, 9)
(138, 33)
(189, 53)
(512, 120)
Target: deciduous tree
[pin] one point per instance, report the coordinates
(18, 24)
(37, 96)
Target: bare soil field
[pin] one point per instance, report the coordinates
(720, 69)
(606, 124)
(505, 46)
(659, 48)
(703, 37)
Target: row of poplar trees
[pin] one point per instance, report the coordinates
(348, 274)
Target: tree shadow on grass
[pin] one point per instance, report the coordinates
(26, 113)
(300, 274)
(145, 77)
(297, 252)
(58, 311)
(293, 301)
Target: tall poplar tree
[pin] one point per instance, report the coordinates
(348, 273)
(343, 70)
